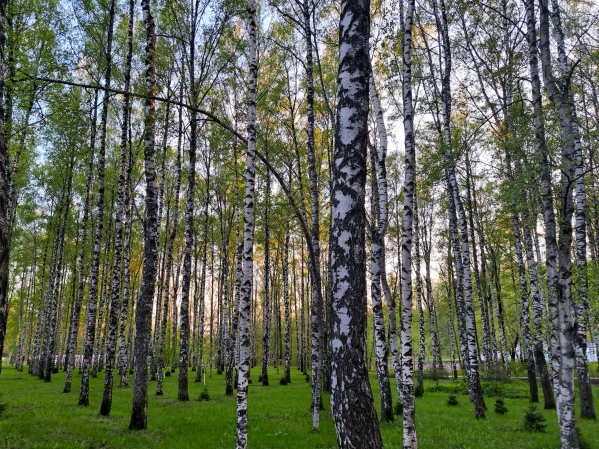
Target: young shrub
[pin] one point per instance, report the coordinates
(307, 378)
(283, 381)
(219, 371)
(534, 421)
(259, 379)
(204, 395)
(452, 400)
(167, 373)
(500, 407)
(55, 370)
(131, 371)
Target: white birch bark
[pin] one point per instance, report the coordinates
(558, 278)
(351, 398)
(90, 326)
(407, 375)
(248, 236)
(143, 311)
(378, 229)
(74, 328)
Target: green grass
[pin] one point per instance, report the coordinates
(39, 415)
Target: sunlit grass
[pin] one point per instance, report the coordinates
(39, 415)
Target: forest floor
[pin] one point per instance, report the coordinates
(34, 414)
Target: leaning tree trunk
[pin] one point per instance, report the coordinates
(454, 197)
(351, 397)
(143, 312)
(92, 305)
(558, 278)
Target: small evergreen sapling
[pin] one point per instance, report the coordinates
(398, 409)
(500, 407)
(283, 381)
(534, 421)
(204, 395)
(452, 400)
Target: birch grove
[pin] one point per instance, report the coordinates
(345, 193)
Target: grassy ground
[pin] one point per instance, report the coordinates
(39, 415)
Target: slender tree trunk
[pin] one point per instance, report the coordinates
(317, 300)
(558, 279)
(143, 313)
(454, 197)
(116, 299)
(183, 393)
(248, 236)
(90, 326)
(266, 310)
(4, 191)
(538, 309)
(526, 346)
(407, 375)
(200, 357)
(378, 278)
(74, 326)
(287, 307)
(421, 330)
(50, 333)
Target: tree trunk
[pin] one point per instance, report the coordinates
(351, 397)
(266, 310)
(454, 197)
(143, 312)
(314, 261)
(4, 192)
(377, 230)
(248, 236)
(558, 279)
(76, 315)
(92, 305)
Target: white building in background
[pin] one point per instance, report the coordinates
(591, 351)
